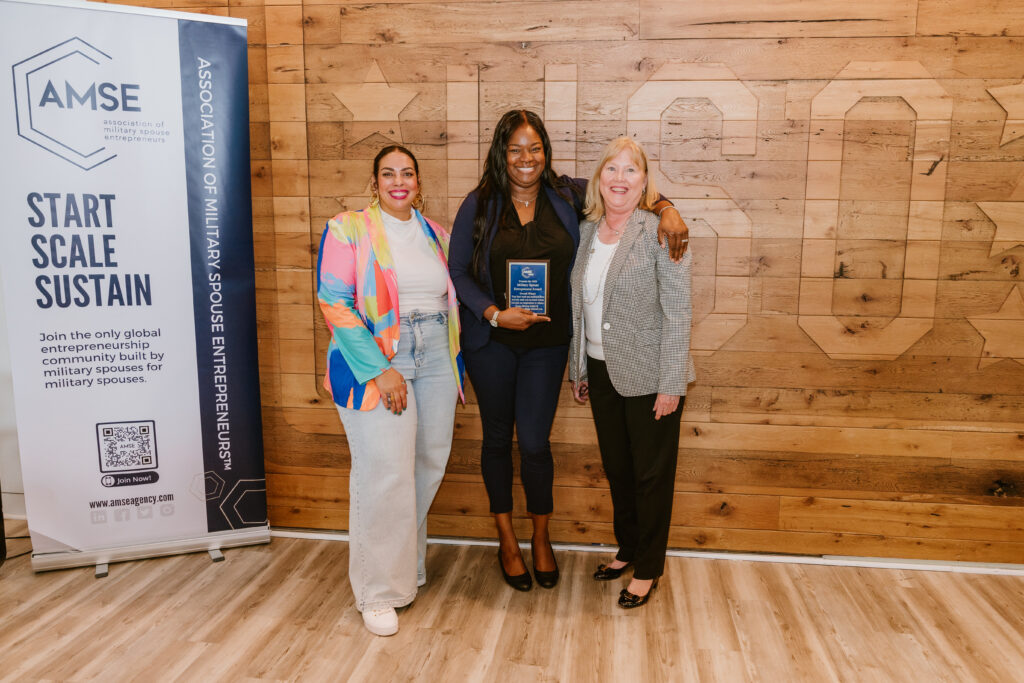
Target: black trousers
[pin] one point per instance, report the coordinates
(639, 455)
(517, 389)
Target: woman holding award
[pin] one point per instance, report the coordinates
(514, 241)
(631, 354)
(394, 370)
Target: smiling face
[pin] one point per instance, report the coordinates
(397, 184)
(524, 157)
(622, 183)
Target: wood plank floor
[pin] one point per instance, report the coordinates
(285, 612)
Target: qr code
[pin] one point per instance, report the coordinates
(127, 446)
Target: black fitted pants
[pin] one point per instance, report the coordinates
(639, 456)
(517, 390)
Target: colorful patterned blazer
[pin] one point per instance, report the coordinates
(358, 291)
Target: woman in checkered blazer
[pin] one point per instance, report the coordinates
(630, 354)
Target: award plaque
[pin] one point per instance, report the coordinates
(527, 284)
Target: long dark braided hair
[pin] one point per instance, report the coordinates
(494, 185)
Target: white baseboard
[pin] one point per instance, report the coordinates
(829, 560)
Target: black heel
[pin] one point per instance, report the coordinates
(628, 601)
(606, 573)
(545, 579)
(521, 582)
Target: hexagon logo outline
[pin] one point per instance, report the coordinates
(26, 126)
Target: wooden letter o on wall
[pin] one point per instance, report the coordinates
(932, 109)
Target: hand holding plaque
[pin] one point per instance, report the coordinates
(527, 284)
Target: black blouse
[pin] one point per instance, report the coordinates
(542, 238)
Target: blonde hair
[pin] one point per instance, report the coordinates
(594, 207)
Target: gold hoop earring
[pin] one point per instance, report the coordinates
(418, 202)
(374, 198)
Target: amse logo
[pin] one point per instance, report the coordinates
(108, 92)
(62, 95)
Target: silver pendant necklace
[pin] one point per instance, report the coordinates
(604, 221)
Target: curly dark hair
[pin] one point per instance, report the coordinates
(493, 188)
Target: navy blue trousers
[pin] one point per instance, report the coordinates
(517, 390)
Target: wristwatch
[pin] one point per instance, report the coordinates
(494, 318)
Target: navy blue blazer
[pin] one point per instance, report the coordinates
(476, 331)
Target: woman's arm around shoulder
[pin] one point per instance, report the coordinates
(672, 230)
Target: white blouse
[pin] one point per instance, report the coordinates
(422, 278)
(593, 294)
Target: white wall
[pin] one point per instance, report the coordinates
(10, 466)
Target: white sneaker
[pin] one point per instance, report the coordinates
(381, 621)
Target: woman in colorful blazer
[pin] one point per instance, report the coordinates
(395, 371)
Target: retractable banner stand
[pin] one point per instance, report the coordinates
(127, 263)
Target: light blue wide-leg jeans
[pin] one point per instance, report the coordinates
(397, 465)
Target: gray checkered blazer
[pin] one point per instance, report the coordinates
(646, 315)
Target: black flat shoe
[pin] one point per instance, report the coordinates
(628, 601)
(606, 573)
(545, 579)
(521, 582)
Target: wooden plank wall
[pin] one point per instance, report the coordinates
(853, 174)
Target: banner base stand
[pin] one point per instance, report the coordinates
(213, 542)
